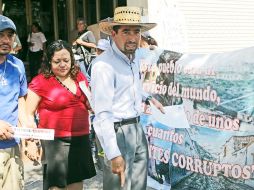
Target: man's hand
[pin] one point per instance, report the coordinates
(118, 167)
(6, 132)
(158, 105)
(79, 41)
(74, 43)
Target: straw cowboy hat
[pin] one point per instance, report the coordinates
(128, 16)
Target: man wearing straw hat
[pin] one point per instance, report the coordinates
(116, 99)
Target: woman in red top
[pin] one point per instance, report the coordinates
(62, 106)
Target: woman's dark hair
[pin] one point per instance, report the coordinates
(149, 40)
(83, 20)
(36, 24)
(80, 19)
(51, 49)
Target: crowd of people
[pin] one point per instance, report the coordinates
(56, 96)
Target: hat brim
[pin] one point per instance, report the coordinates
(101, 47)
(8, 28)
(107, 27)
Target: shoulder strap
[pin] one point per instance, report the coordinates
(84, 51)
(83, 35)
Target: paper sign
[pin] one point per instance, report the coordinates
(35, 133)
(174, 116)
(86, 91)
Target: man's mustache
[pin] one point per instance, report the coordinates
(132, 43)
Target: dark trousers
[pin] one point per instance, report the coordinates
(35, 59)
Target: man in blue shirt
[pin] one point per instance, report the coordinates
(116, 99)
(13, 88)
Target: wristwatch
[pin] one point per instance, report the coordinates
(148, 99)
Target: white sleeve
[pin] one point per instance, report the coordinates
(29, 38)
(43, 38)
(102, 87)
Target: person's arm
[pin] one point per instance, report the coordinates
(87, 44)
(156, 103)
(43, 41)
(29, 38)
(148, 98)
(32, 102)
(102, 84)
(102, 88)
(90, 43)
(30, 44)
(22, 116)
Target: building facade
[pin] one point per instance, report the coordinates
(56, 17)
(183, 26)
(199, 26)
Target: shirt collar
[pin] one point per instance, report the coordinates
(121, 54)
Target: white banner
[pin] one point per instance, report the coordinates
(35, 133)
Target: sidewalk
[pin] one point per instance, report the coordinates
(33, 178)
